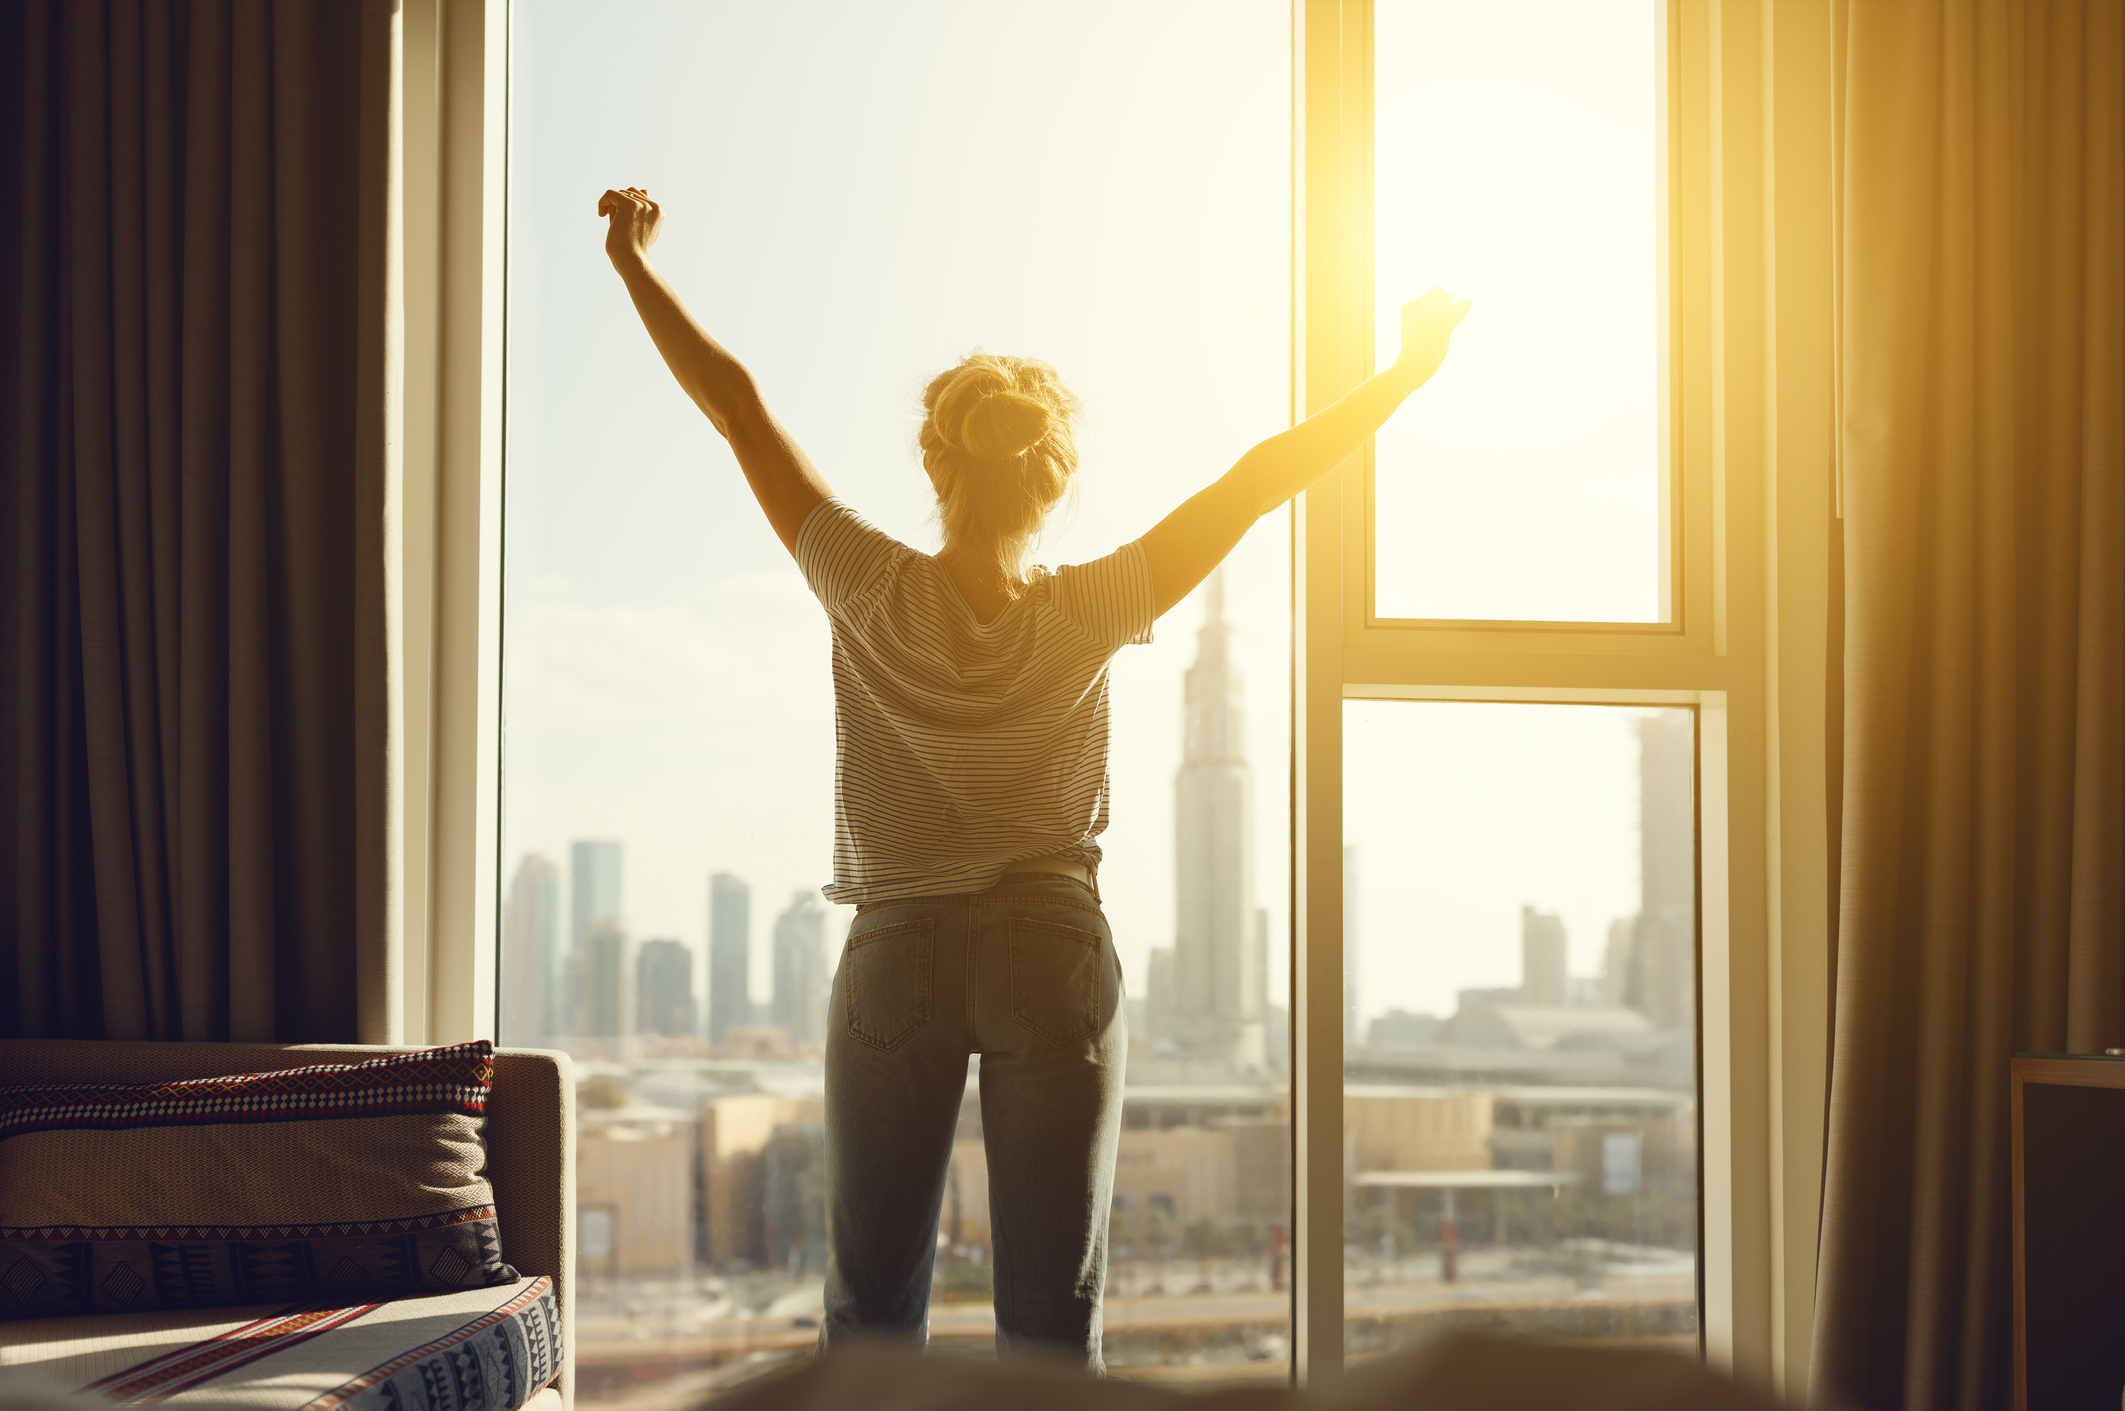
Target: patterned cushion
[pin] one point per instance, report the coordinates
(484, 1349)
(340, 1181)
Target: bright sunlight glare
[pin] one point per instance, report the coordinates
(1530, 488)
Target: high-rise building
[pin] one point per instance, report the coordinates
(606, 1013)
(730, 952)
(594, 899)
(1350, 943)
(1544, 978)
(593, 886)
(1220, 960)
(1616, 962)
(531, 953)
(1662, 982)
(664, 989)
(801, 974)
(1159, 992)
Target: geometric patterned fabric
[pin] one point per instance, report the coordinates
(454, 1079)
(339, 1182)
(477, 1350)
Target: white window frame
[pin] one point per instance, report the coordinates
(1753, 538)
(1751, 486)
(454, 111)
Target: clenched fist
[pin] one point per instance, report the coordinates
(1427, 325)
(633, 221)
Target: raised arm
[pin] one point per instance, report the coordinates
(783, 478)
(1185, 545)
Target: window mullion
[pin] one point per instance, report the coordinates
(1333, 262)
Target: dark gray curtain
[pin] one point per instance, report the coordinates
(195, 750)
(1982, 392)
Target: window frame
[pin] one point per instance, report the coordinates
(1749, 482)
(1685, 498)
(452, 112)
(1754, 511)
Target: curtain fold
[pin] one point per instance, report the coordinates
(198, 615)
(1981, 243)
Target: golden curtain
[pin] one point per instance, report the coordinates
(1981, 247)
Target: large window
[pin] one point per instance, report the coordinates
(1518, 919)
(857, 196)
(1507, 627)
(1467, 1021)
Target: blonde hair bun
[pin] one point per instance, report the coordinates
(998, 435)
(994, 425)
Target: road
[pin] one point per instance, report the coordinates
(1191, 1338)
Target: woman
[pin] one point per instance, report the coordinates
(970, 791)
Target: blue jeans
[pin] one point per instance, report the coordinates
(1025, 975)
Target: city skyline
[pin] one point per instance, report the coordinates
(1605, 845)
(609, 985)
(1207, 1004)
(1210, 993)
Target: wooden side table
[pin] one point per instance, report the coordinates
(2069, 1231)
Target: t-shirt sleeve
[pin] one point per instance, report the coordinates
(1110, 597)
(840, 553)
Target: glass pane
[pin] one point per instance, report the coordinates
(1520, 1094)
(1517, 164)
(857, 195)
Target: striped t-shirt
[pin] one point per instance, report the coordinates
(958, 746)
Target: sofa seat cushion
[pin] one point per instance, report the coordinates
(478, 1349)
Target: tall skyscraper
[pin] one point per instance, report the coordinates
(594, 900)
(1662, 983)
(531, 953)
(730, 934)
(801, 974)
(1350, 943)
(605, 993)
(593, 886)
(664, 989)
(1220, 962)
(1616, 962)
(1161, 992)
(1544, 978)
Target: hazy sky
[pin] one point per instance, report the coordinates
(1514, 150)
(857, 195)
(1461, 814)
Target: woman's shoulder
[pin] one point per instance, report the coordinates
(843, 555)
(1108, 597)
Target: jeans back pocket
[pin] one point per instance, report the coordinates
(885, 981)
(1056, 975)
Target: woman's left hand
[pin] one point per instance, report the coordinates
(635, 221)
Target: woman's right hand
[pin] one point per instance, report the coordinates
(633, 223)
(1428, 324)
(1185, 545)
